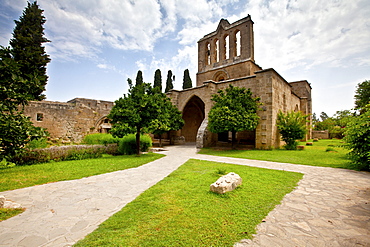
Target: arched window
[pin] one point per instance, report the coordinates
(208, 53)
(238, 44)
(217, 50)
(227, 47)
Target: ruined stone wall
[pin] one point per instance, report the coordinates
(275, 95)
(72, 120)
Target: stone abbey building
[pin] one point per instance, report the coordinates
(225, 56)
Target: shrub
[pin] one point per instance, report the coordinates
(60, 153)
(127, 144)
(37, 143)
(292, 127)
(99, 138)
(358, 141)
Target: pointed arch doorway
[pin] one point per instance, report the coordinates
(193, 115)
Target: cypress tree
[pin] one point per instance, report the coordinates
(187, 80)
(139, 78)
(28, 52)
(158, 79)
(169, 84)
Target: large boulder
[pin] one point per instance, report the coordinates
(226, 183)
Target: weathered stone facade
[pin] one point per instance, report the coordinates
(225, 57)
(72, 120)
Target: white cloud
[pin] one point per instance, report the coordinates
(309, 32)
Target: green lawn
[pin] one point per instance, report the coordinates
(316, 155)
(25, 176)
(181, 211)
(6, 213)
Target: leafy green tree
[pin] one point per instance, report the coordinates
(234, 110)
(169, 84)
(357, 137)
(158, 79)
(28, 51)
(143, 110)
(169, 117)
(292, 127)
(139, 78)
(187, 80)
(362, 95)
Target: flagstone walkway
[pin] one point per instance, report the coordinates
(329, 207)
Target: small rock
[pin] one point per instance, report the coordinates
(300, 147)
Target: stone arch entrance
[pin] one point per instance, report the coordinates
(193, 115)
(103, 125)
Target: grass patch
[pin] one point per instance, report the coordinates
(6, 213)
(315, 155)
(181, 211)
(25, 176)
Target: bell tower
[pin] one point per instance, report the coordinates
(227, 53)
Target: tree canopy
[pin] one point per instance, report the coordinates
(234, 110)
(139, 78)
(158, 79)
(28, 51)
(362, 95)
(187, 80)
(169, 84)
(143, 110)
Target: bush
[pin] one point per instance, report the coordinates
(292, 127)
(37, 143)
(357, 138)
(99, 138)
(127, 144)
(60, 153)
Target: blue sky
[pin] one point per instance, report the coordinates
(98, 44)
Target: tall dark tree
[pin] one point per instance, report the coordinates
(169, 84)
(234, 110)
(158, 79)
(362, 95)
(139, 78)
(28, 51)
(16, 129)
(187, 80)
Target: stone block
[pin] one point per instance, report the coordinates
(226, 183)
(2, 201)
(300, 147)
(309, 143)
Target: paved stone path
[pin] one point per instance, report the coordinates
(330, 207)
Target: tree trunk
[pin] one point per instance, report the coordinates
(160, 140)
(233, 139)
(138, 141)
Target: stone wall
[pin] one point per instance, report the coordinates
(320, 134)
(72, 120)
